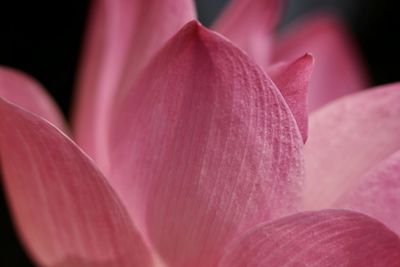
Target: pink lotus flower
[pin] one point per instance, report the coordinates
(192, 156)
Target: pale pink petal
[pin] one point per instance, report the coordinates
(25, 92)
(292, 80)
(378, 195)
(248, 24)
(204, 147)
(347, 138)
(122, 36)
(338, 69)
(66, 213)
(328, 238)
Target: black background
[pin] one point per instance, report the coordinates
(43, 38)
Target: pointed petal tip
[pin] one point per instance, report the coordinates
(307, 57)
(198, 97)
(193, 27)
(306, 63)
(327, 37)
(292, 79)
(200, 32)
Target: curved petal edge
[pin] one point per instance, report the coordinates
(323, 238)
(65, 211)
(205, 146)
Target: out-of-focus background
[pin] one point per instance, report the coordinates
(43, 38)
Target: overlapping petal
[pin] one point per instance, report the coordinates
(25, 92)
(323, 238)
(378, 195)
(292, 80)
(338, 69)
(346, 139)
(204, 147)
(122, 36)
(66, 213)
(248, 24)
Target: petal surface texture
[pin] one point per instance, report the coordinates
(292, 79)
(379, 193)
(22, 90)
(66, 213)
(327, 238)
(248, 23)
(338, 69)
(346, 139)
(209, 148)
(122, 36)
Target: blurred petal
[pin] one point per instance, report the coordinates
(248, 23)
(292, 81)
(346, 139)
(121, 38)
(378, 195)
(204, 147)
(66, 213)
(338, 69)
(22, 90)
(323, 238)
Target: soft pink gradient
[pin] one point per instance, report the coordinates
(122, 36)
(249, 24)
(192, 146)
(350, 142)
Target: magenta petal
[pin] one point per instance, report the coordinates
(378, 195)
(248, 23)
(122, 36)
(22, 90)
(292, 80)
(204, 147)
(347, 138)
(338, 69)
(66, 213)
(328, 238)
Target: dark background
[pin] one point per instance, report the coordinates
(43, 38)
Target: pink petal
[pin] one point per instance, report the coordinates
(378, 195)
(22, 90)
(66, 213)
(248, 23)
(324, 238)
(203, 148)
(122, 36)
(346, 139)
(292, 80)
(338, 69)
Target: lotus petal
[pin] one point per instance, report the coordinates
(292, 80)
(338, 69)
(248, 23)
(22, 90)
(65, 211)
(122, 36)
(204, 147)
(323, 238)
(346, 139)
(378, 194)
